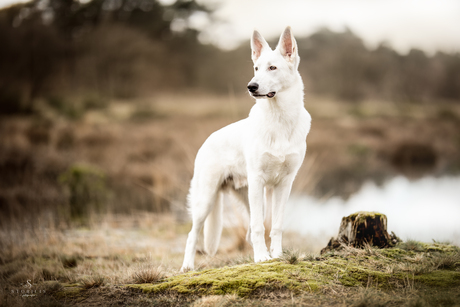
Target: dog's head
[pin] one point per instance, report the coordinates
(274, 70)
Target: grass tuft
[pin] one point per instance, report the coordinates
(310, 257)
(447, 261)
(53, 287)
(411, 245)
(368, 298)
(291, 256)
(49, 274)
(243, 260)
(148, 275)
(69, 261)
(93, 282)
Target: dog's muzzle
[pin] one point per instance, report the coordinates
(253, 87)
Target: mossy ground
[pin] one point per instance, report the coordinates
(242, 280)
(381, 269)
(90, 270)
(353, 277)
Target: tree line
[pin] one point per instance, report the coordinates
(127, 48)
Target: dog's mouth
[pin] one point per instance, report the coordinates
(269, 95)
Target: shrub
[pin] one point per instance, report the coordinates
(87, 192)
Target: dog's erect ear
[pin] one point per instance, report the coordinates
(258, 44)
(288, 46)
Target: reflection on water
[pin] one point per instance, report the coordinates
(422, 210)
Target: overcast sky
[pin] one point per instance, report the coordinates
(425, 24)
(429, 25)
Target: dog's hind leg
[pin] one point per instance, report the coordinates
(202, 202)
(242, 195)
(213, 226)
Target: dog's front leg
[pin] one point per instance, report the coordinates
(280, 197)
(256, 207)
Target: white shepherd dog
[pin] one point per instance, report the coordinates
(256, 158)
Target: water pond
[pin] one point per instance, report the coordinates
(426, 209)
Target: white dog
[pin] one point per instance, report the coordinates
(256, 158)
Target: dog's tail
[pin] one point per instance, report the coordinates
(213, 227)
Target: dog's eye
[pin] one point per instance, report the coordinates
(272, 68)
(256, 68)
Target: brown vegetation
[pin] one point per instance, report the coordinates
(103, 108)
(144, 249)
(109, 162)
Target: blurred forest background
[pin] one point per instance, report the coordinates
(104, 104)
(130, 48)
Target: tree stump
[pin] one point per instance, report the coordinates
(361, 228)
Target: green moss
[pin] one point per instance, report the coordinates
(71, 291)
(365, 277)
(440, 247)
(441, 278)
(241, 280)
(382, 269)
(415, 246)
(362, 215)
(396, 253)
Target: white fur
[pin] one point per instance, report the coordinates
(256, 158)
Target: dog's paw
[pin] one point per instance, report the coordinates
(185, 269)
(260, 258)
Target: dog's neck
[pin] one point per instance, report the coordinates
(281, 113)
(288, 101)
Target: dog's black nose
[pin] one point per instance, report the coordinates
(252, 87)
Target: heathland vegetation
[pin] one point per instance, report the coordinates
(103, 106)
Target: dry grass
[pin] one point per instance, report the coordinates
(219, 301)
(447, 261)
(93, 282)
(69, 261)
(148, 274)
(148, 164)
(105, 261)
(411, 245)
(291, 256)
(146, 150)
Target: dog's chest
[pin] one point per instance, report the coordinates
(275, 167)
(279, 153)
